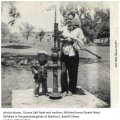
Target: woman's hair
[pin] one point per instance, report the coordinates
(76, 21)
(71, 13)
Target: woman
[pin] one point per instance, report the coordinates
(73, 36)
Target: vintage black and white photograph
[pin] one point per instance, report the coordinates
(55, 54)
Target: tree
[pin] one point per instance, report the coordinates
(26, 29)
(77, 7)
(41, 34)
(12, 11)
(104, 25)
(4, 29)
(5, 32)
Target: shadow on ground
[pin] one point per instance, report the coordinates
(16, 47)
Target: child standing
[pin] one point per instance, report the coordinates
(39, 69)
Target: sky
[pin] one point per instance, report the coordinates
(35, 14)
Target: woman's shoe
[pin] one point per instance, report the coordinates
(64, 94)
(69, 93)
(36, 95)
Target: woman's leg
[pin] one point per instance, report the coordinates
(73, 73)
(64, 83)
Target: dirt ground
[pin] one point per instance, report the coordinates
(94, 74)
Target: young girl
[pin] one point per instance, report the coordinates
(39, 69)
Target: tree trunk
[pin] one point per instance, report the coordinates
(27, 37)
(40, 39)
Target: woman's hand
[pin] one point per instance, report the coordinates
(66, 39)
(69, 39)
(81, 45)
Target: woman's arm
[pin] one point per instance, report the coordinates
(78, 39)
